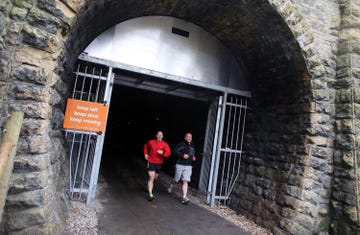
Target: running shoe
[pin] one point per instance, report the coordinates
(170, 188)
(185, 200)
(151, 197)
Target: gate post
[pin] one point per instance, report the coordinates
(100, 141)
(218, 150)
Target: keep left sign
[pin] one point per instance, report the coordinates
(85, 115)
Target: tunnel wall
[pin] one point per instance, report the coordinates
(345, 187)
(31, 42)
(299, 174)
(286, 179)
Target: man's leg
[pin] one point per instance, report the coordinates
(151, 184)
(157, 171)
(186, 176)
(185, 199)
(172, 185)
(184, 188)
(176, 178)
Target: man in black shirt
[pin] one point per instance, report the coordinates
(185, 152)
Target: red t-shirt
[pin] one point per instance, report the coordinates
(152, 146)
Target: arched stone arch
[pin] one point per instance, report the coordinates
(232, 24)
(302, 33)
(289, 138)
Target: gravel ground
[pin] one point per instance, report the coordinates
(83, 220)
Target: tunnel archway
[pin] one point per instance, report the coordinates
(277, 74)
(292, 50)
(174, 57)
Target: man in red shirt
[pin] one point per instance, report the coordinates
(154, 152)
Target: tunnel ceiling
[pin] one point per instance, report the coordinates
(253, 30)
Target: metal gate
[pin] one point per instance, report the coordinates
(212, 127)
(223, 150)
(92, 83)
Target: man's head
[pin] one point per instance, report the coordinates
(188, 137)
(159, 135)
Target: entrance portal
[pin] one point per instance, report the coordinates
(200, 69)
(139, 114)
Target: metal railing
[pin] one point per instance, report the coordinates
(91, 83)
(227, 153)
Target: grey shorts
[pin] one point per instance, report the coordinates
(182, 172)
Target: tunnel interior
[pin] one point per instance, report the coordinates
(135, 116)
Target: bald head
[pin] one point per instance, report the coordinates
(188, 137)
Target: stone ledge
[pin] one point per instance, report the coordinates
(20, 220)
(25, 200)
(22, 182)
(31, 163)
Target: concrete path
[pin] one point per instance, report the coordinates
(125, 209)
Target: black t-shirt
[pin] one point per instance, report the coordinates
(184, 148)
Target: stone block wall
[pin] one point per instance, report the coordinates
(30, 43)
(300, 172)
(311, 184)
(345, 187)
(323, 19)
(4, 22)
(286, 179)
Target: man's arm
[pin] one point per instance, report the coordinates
(146, 150)
(178, 150)
(167, 151)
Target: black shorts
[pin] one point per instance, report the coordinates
(154, 167)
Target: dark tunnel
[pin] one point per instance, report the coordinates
(136, 115)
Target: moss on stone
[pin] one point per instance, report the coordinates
(5, 6)
(18, 13)
(24, 3)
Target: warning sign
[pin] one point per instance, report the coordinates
(85, 115)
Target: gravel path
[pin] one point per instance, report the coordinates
(82, 219)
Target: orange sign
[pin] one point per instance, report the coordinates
(85, 115)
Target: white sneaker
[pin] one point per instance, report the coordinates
(170, 188)
(185, 200)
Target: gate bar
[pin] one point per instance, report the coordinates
(226, 154)
(241, 146)
(232, 158)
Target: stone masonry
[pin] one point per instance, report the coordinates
(30, 44)
(345, 186)
(300, 174)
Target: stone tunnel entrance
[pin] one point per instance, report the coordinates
(272, 173)
(298, 163)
